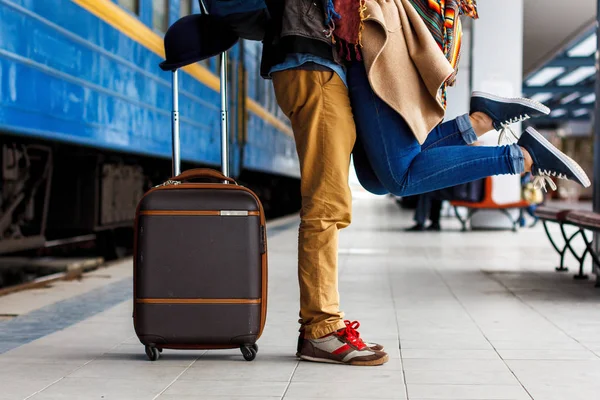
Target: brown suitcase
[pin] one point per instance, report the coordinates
(200, 263)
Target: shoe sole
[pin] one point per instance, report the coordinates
(370, 348)
(372, 363)
(577, 170)
(536, 105)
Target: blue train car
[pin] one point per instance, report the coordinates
(85, 116)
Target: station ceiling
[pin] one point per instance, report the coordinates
(559, 58)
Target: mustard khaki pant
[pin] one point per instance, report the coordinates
(318, 106)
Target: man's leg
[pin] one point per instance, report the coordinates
(318, 106)
(435, 214)
(421, 213)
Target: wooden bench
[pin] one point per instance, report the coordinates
(560, 216)
(591, 221)
(488, 203)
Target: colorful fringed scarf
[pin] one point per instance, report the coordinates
(442, 19)
(345, 21)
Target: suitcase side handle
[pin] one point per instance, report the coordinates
(198, 173)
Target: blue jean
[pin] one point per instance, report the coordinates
(389, 159)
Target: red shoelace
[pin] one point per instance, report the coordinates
(352, 335)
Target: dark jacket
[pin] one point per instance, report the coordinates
(285, 27)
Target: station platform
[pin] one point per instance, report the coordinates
(463, 315)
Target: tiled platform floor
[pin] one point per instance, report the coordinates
(477, 315)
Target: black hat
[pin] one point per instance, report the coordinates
(195, 38)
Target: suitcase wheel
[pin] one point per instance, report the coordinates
(153, 353)
(249, 352)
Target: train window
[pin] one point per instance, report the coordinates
(131, 5)
(160, 15)
(185, 8)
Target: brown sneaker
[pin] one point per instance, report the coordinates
(349, 325)
(341, 347)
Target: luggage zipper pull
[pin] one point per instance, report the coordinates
(169, 183)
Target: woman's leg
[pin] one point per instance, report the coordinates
(456, 132)
(364, 171)
(463, 130)
(397, 158)
(443, 167)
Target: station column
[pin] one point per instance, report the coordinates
(497, 67)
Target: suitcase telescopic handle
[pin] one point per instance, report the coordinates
(203, 8)
(199, 173)
(225, 134)
(224, 104)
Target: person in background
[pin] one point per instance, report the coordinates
(534, 196)
(428, 206)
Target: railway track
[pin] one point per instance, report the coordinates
(58, 260)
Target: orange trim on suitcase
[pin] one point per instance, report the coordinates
(198, 301)
(194, 212)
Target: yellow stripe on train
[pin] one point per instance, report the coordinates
(130, 26)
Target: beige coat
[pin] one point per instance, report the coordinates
(405, 66)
